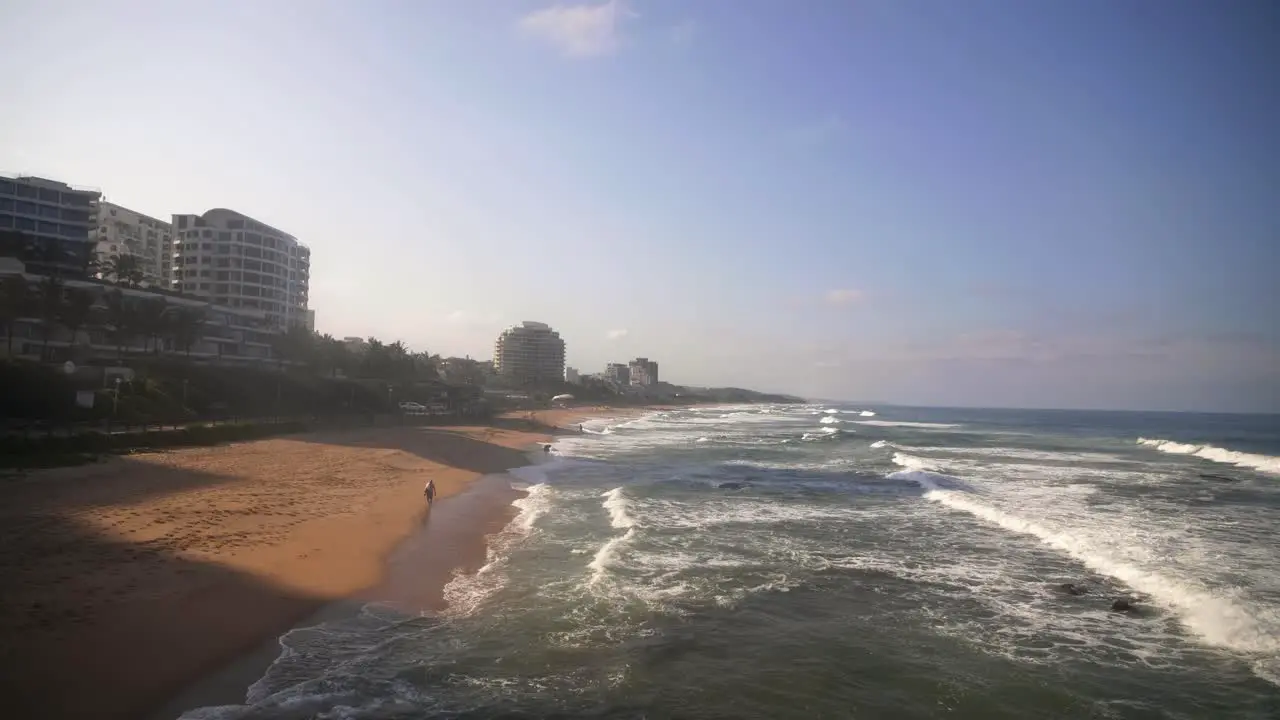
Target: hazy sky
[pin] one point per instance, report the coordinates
(1063, 204)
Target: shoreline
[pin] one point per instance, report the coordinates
(127, 582)
(415, 573)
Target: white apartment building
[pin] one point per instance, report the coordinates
(120, 231)
(236, 261)
(529, 353)
(643, 371)
(572, 376)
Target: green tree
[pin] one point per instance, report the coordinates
(187, 325)
(49, 294)
(376, 362)
(77, 311)
(296, 344)
(124, 269)
(153, 322)
(121, 319)
(15, 301)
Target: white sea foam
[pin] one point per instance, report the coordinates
(880, 444)
(913, 462)
(903, 423)
(830, 420)
(464, 594)
(999, 453)
(616, 503)
(599, 564)
(1264, 463)
(1226, 617)
(532, 506)
(831, 411)
(867, 413)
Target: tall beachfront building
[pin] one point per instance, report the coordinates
(53, 220)
(121, 231)
(529, 353)
(236, 261)
(643, 372)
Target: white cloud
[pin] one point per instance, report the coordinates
(579, 30)
(846, 296)
(617, 334)
(683, 33)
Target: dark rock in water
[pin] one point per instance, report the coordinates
(731, 486)
(1123, 605)
(546, 448)
(1073, 589)
(1218, 478)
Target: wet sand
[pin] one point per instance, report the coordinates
(125, 581)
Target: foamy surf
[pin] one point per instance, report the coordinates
(1225, 617)
(1263, 463)
(905, 424)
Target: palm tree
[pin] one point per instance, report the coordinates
(15, 300)
(121, 318)
(124, 269)
(77, 310)
(186, 326)
(152, 321)
(50, 293)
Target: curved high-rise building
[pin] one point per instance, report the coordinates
(236, 261)
(530, 352)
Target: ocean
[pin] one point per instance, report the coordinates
(833, 561)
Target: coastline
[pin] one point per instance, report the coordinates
(128, 581)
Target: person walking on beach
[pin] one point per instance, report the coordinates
(430, 491)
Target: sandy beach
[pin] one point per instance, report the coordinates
(127, 580)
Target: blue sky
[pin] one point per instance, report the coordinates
(1071, 204)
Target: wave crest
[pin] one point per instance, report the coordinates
(1263, 463)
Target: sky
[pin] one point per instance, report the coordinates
(1027, 204)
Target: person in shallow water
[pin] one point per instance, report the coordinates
(430, 491)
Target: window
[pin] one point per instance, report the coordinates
(223, 275)
(252, 277)
(6, 204)
(224, 236)
(206, 260)
(252, 265)
(224, 248)
(113, 212)
(206, 273)
(252, 252)
(223, 262)
(220, 288)
(27, 191)
(182, 222)
(206, 233)
(114, 248)
(253, 238)
(27, 208)
(235, 224)
(207, 247)
(48, 195)
(6, 221)
(47, 227)
(48, 211)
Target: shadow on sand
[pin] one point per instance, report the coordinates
(84, 635)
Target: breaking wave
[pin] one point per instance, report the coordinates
(1264, 463)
